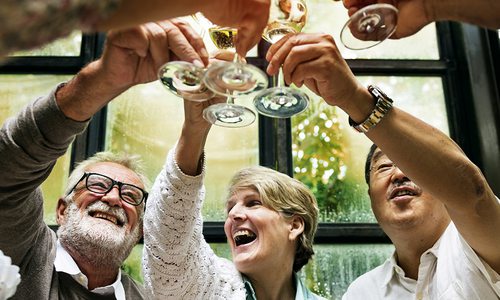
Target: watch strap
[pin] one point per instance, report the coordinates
(382, 106)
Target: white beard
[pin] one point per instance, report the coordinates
(100, 242)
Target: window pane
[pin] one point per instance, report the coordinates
(133, 264)
(334, 267)
(330, 16)
(147, 120)
(329, 156)
(15, 92)
(67, 46)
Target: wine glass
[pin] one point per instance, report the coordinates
(234, 78)
(369, 26)
(185, 79)
(230, 79)
(286, 16)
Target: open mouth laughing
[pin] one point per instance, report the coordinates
(403, 191)
(243, 237)
(117, 220)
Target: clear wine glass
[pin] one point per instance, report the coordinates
(286, 16)
(369, 26)
(234, 78)
(185, 79)
(230, 79)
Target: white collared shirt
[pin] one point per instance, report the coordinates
(65, 263)
(449, 270)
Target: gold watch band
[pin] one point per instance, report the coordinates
(382, 107)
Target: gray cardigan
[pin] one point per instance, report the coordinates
(30, 144)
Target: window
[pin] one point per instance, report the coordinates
(447, 74)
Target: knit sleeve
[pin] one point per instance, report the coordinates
(178, 262)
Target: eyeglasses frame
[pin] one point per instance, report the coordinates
(114, 182)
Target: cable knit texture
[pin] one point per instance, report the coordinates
(178, 262)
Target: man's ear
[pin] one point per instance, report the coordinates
(296, 227)
(60, 210)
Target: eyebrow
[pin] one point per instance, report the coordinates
(377, 156)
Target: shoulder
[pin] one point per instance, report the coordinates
(367, 284)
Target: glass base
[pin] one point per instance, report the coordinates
(369, 26)
(185, 80)
(229, 115)
(281, 102)
(230, 79)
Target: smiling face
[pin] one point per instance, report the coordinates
(101, 227)
(260, 238)
(397, 202)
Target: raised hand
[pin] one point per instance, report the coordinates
(133, 56)
(314, 60)
(248, 16)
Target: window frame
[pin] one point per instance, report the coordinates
(472, 103)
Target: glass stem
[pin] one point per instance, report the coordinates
(281, 78)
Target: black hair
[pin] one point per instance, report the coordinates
(368, 163)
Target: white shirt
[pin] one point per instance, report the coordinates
(65, 263)
(448, 270)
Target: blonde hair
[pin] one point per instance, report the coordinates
(287, 196)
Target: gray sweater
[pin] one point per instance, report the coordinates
(30, 144)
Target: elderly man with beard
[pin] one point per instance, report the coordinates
(100, 216)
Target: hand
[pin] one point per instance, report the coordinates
(134, 56)
(314, 60)
(193, 110)
(250, 17)
(413, 14)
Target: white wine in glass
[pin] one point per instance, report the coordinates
(286, 16)
(230, 79)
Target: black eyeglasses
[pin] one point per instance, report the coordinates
(102, 184)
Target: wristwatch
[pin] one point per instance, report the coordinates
(382, 106)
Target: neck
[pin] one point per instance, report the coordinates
(98, 275)
(274, 288)
(409, 249)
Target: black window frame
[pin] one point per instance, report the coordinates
(469, 66)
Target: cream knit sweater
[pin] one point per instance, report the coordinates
(178, 262)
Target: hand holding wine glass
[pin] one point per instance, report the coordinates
(286, 16)
(230, 79)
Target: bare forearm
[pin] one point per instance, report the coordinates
(484, 13)
(86, 93)
(190, 149)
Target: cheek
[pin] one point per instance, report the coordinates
(227, 226)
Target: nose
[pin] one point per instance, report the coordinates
(398, 175)
(113, 197)
(237, 213)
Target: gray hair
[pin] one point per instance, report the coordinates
(132, 162)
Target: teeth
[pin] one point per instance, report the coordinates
(404, 193)
(106, 217)
(243, 237)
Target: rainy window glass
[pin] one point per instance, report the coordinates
(147, 120)
(328, 274)
(329, 156)
(67, 46)
(15, 92)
